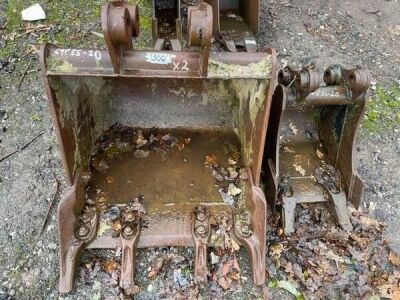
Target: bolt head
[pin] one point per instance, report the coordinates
(334, 189)
(201, 216)
(85, 218)
(201, 229)
(288, 193)
(244, 216)
(245, 229)
(129, 216)
(83, 231)
(325, 176)
(128, 231)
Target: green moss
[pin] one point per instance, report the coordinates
(58, 65)
(36, 118)
(145, 13)
(70, 22)
(217, 69)
(383, 109)
(13, 14)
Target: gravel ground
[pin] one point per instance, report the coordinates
(356, 33)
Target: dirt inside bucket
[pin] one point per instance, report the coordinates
(166, 166)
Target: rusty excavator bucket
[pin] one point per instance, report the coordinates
(310, 141)
(167, 142)
(236, 23)
(167, 25)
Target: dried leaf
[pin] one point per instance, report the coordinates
(369, 222)
(226, 197)
(101, 202)
(140, 140)
(116, 227)
(291, 288)
(141, 154)
(181, 146)
(132, 290)
(224, 283)
(86, 177)
(275, 251)
(217, 175)
(320, 154)
(299, 169)
(232, 161)
(233, 190)
(100, 165)
(211, 161)
(232, 173)
(103, 228)
(394, 259)
(157, 265)
(110, 266)
(293, 128)
(288, 150)
(235, 246)
(214, 258)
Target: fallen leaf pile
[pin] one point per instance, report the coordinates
(322, 261)
(157, 265)
(122, 139)
(174, 272)
(225, 270)
(227, 178)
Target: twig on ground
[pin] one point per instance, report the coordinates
(33, 29)
(22, 148)
(22, 77)
(51, 204)
(374, 12)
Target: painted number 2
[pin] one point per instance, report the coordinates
(181, 66)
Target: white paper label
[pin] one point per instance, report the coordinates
(250, 42)
(159, 58)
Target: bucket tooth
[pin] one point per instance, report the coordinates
(306, 190)
(236, 23)
(67, 266)
(288, 214)
(175, 45)
(250, 44)
(129, 236)
(86, 228)
(201, 234)
(159, 44)
(166, 25)
(338, 200)
(250, 230)
(229, 43)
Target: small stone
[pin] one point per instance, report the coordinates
(214, 258)
(52, 246)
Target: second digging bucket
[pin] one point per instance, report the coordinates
(167, 140)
